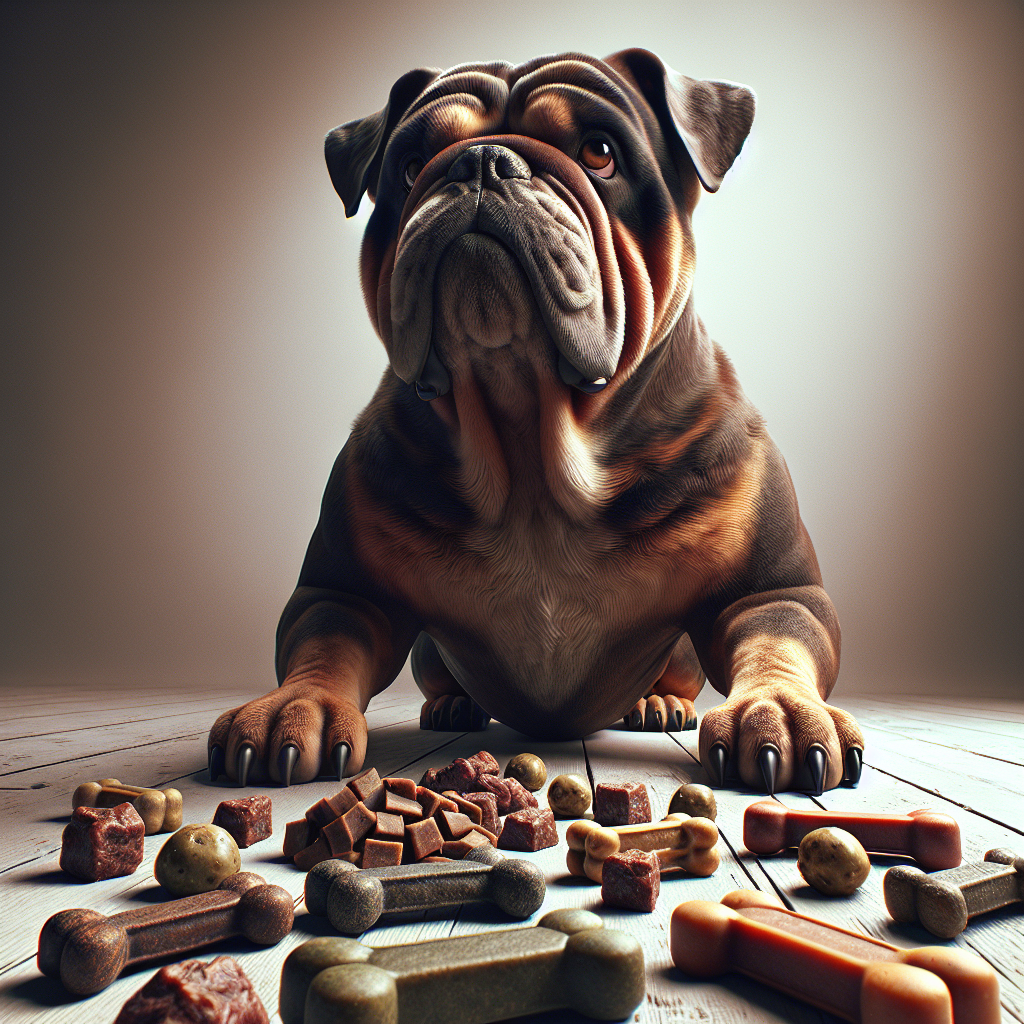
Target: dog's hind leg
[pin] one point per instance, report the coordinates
(669, 705)
(448, 707)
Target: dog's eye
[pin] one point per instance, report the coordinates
(596, 155)
(411, 171)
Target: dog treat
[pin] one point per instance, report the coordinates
(930, 837)
(197, 858)
(401, 805)
(160, 809)
(528, 770)
(400, 787)
(458, 849)
(632, 880)
(484, 763)
(248, 820)
(528, 830)
(567, 961)
(679, 841)
(378, 853)
(460, 775)
(945, 901)
(472, 810)
(343, 833)
(488, 804)
(389, 827)
(854, 977)
(624, 803)
(323, 812)
(102, 843)
(354, 900)
(453, 824)
(87, 951)
(368, 789)
(298, 835)
(312, 854)
(432, 802)
(833, 861)
(199, 993)
(569, 796)
(422, 838)
(694, 799)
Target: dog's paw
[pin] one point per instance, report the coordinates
(453, 714)
(778, 738)
(661, 714)
(294, 734)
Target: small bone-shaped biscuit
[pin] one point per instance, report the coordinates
(679, 841)
(856, 978)
(930, 837)
(944, 902)
(568, 961)
(353, 900)
(87, 951)
(160, 809)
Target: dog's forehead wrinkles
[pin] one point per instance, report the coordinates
(467, 83)
(576, 74)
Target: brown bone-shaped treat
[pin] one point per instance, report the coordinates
(930, 837)
(87, 951)
(679, 841)
(160, 809)
(854, 977)
(944, 902)
(567, 961)
(354, 900)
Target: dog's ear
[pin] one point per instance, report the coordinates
(711, 119)
(355, 150)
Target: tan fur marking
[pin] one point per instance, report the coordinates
(484, 477)
(765, 658)
(639, 300)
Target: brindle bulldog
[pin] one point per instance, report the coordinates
(559, 499)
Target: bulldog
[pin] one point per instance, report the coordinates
(559, 500)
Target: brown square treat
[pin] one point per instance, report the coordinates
(472, 811)
(529, 830)
(431, 802)
(248, 819)
(395, 804)
(298, 835)
(484, 763)
(631, 880)
(491, 837)
(312, 854)
(331, 807)
(519, 796)
(381, 854)
(403, 787)
(488, 804)
(453, 824)
(343, 834)
(368, 789)
(389, 826)
(624, 803)
(458, 848)
(422, 838)
(102, 843)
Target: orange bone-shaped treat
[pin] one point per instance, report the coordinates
(678, 840)
(856, 978)
(930, 837)
(160, 809)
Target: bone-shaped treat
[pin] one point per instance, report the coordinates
(160, 809)
(567, 961)
(678, 840)
(353, 900)
(856, 978)
(930, 837)
(87, 951)
(944, 902)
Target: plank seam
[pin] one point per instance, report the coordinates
(101, 753)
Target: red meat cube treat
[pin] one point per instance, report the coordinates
(519, 796)
(368, 789)
(631, 880)
(381, 854)
(389, 826)
(453, 824)
(403, 787)
(422, 838)
(248, 819)
(343, 834)
(401, 805)
(484, 764)
(458, 848)
(459, 775)
(331, 807)
(298, 835)
(499, 787)
(624, 803)
(471, 810)
(312, 854)
(102, 843)
(197, 993)
(529, 830)
(488, 804)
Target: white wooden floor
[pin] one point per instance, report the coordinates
(964, 757)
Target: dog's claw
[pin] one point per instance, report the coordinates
(691, 720)
(817, 765)
(246, 756)
(286, 762)
(768, 762)
(854, 764)
(216, 762)
(339, 758)
(717, 756)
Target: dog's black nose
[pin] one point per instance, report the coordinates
(487, 165)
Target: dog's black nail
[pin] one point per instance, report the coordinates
(591, 387)
(675, 721)
(717, 756)
(854, 763)
(817, 765)
(339, 758)
(636, 720)
(768, 762)
(426, 392)
(216, 762)
(246, 756)
(691, 720)
(286, 762)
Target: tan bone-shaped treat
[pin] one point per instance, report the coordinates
(679, 841)
(160, 809)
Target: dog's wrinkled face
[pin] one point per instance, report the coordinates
(546, 204)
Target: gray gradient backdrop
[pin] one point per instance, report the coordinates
(186, 346)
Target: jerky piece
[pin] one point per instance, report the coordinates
(529, 830)
(368, 789)
(631, 880)
(102, 843)
(395, 804)
(460, 775)
(331, 807)
(402, 787)
(453, 824)
(389, 826)
(519, 796)
(422, 838)
(473, 811)
(195, 992)
(488, 804)
(624, 803)
(247, 819)
(499, 787)
(379, 853)
(458, 848)
(298, 835)
(484, 763)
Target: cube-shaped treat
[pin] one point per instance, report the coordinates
(431, 802)
(632, 880)
(488, 804)
(368, 789)
(312, 854)
(529, 830)
(102, 843)
(458, 848)
(389, 826)
(624, 803)
(298, 835)
(471, 810)
(422, 838)
(344, 833)
(491, 837)
(403, 787)
(453, 824)
(381, 854)
(331, 807)
(248, 819)
(484, 763)
(401, 805)
(519, 797)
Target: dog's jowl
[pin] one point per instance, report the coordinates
(559, 499)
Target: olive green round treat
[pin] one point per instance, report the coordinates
(197, 858)
(833, 861)
(695, 800)
(569, 796)
(528, 770)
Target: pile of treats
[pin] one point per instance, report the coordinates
(376, 822)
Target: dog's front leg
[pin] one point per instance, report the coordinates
(775, 657)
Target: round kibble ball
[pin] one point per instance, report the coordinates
(833, 861)
(197, 858)
(695, 800)
(528, 770)
(569, 796)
